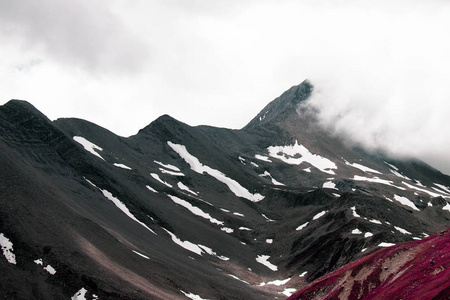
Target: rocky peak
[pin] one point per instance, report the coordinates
(283, 106)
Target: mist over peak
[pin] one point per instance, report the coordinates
(385, 115)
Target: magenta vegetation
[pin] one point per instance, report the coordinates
(413, 270)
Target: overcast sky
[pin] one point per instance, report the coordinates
(381, 68)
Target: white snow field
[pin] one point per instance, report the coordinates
(7, 248)
(288, 154)
(88, 146)
(198, 167)
(405, 201)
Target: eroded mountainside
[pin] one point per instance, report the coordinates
(182, 212)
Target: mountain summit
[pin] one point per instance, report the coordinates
(177, 212)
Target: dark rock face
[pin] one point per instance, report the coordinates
(177, 211)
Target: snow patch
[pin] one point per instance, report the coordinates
(156, 176)
(307, 170)
(446, 207)
(279, 282)
(319, 215)
(50, 269)
(262, 157)
(269, 241)
(303, 274)
(392, 166)
(244, 228)
(375, 221)
(39, 261)
(227, 230)
(368, 234)
(361, 167)
(212, 253)
(140, 254)
(353, 208)
(377, 180)
(356, 231)
(288, 154)
(238, 214)
(329, 185)
(151, 189)
(443, 187)
(398, 174)
(405, 201)
(183, 187)
(192, 296)
(198, 167)
(432, 194)
(274, 182)
(168, 166)
(237, 278)
(7, 248)
(120, 205)
(268, 220)
(80, 295)
(185, 244)
(383, 244)
(263, 259)
(195, 210)
(288, 292)
(302, 226)
(173, 173)
(122, 166)
(88, 146)
(402, 230)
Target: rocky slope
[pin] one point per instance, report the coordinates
(177, 211)
(412, 270)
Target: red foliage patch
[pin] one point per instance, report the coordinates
(413, 270)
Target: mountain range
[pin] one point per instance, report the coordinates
(179, 212)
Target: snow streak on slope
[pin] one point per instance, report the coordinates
(377, 180)
(183, 187)
(274, 182)
(122, 166)
(164, 171)
(88, 146)
(288, 155)
(361, 167)
(263, 259)
(405, 201)
(432, 194)
(168, 166)
(185, 244)
(156, 176)
(7, 248)
(197, 249)
(120, 205)
(302, 226)
(195, 210)
(198, 167)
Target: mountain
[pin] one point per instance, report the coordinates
(178, 212)
(412, 270)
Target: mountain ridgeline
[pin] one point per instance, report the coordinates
(179, 212)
